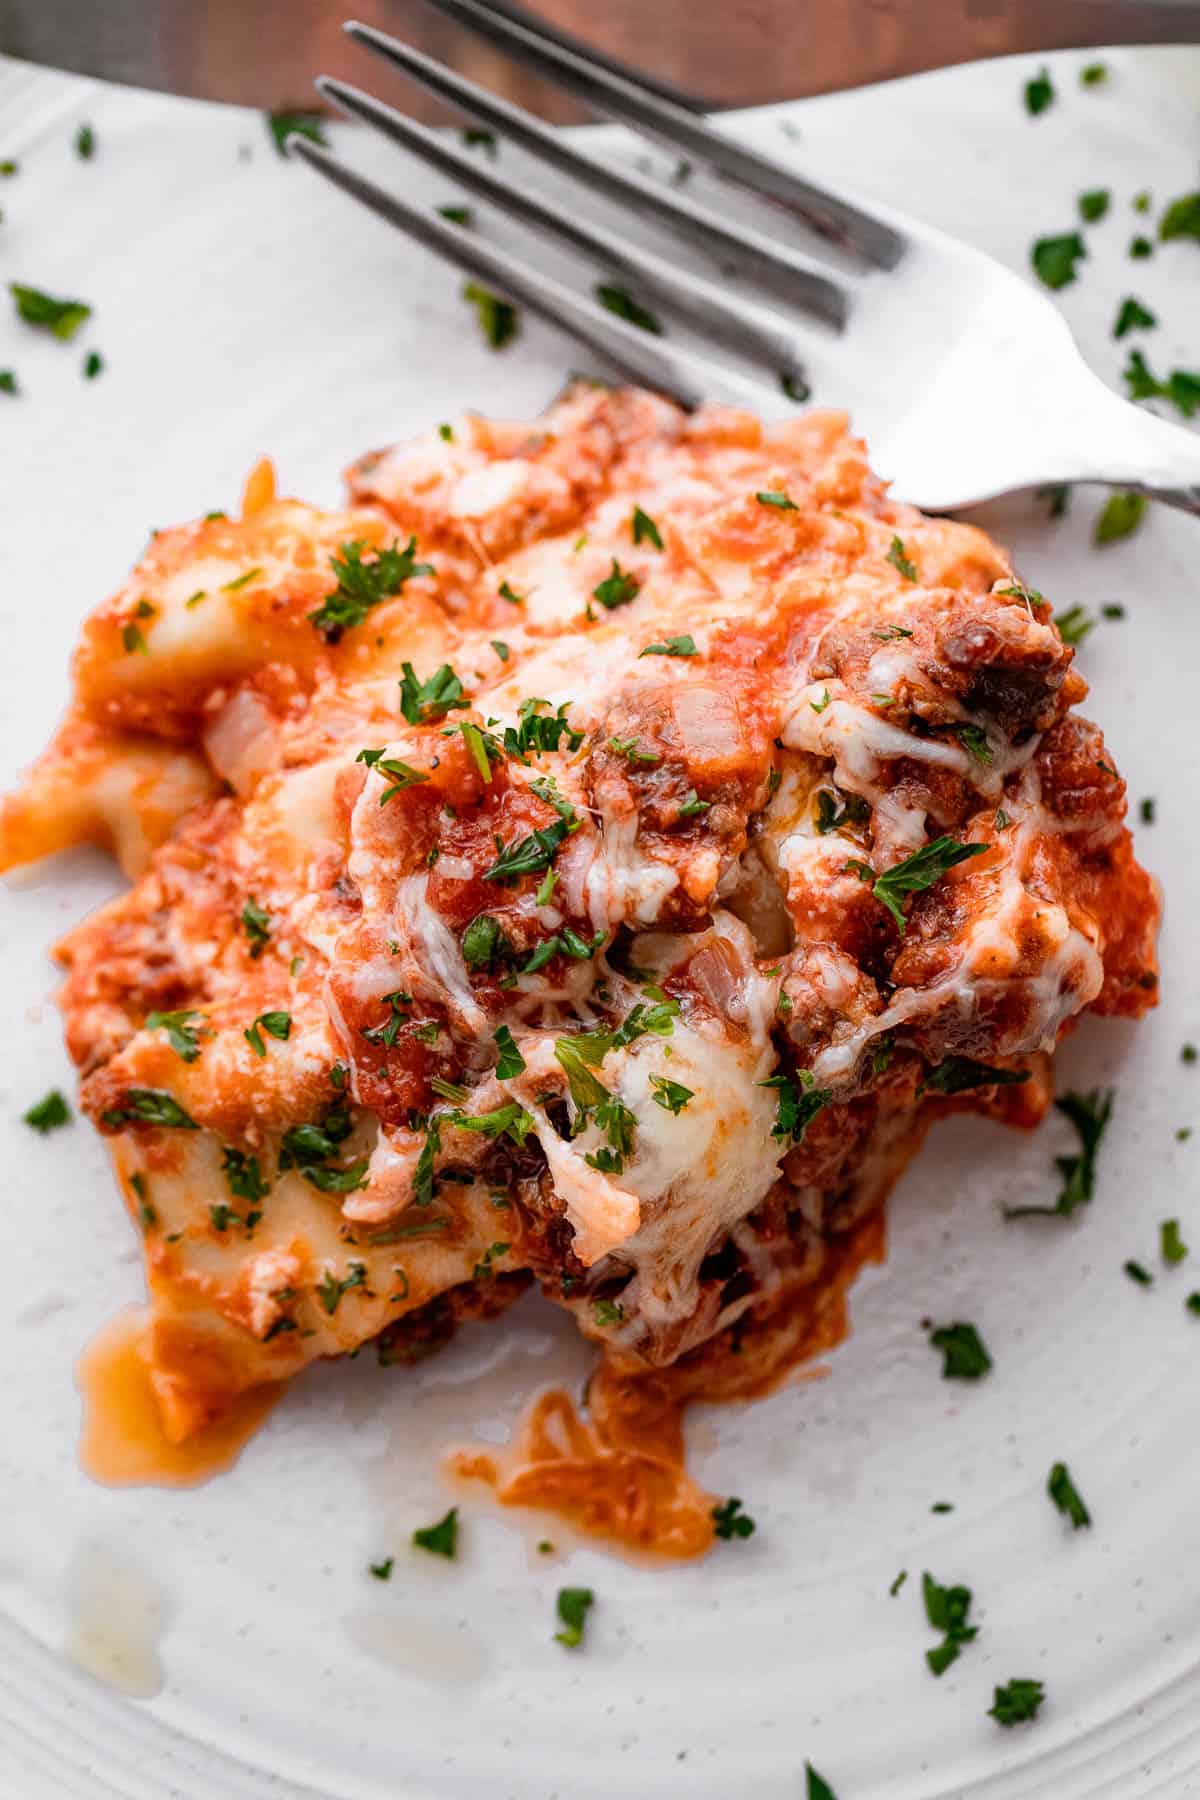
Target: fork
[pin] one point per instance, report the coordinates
(807, 288)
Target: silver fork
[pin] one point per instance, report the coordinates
(964, 378)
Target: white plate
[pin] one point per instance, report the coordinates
(241, 309)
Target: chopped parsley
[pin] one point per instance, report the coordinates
(691, 806)
(1066, 1497)
(510, 594)
(775, 497)
(896, 556)
(1074, 624)
(256, 923)
(631, 750)
(816, 1787)
(1171, 1245)
(975, 742)
(8, 381)
(1146, 810)
(511, 1120)
(684, 645)
(620, 301)
(477, 136)
(958, 1074)
(1182, 218)
(573, 1605)
(501, 649)
(854, 810)
(1133, 316)
(1189, 1054)
(1137, 1273)
(539, 733)
(608, 1312)
(947, 1609)
(820, 705)
(330, 1289)
(563, 943)
(150, 1106)
(1140, 248)
(1017, 1701)
(1054, 258)
(181, 1033)
(484, 942)
(919, 872)
(1181, 387)
(244, 1176)
(363, 585)
(1089, 1114)
(795, 386)
(899, 1582)
(1193, 1303)
(93, 365)
(457, 215)
(483, 1270)
(1092, 74)
(62, 318)
(1057, 495)
(382, 1571)
(308, 125)
(509, 1062)
(965, 1356)
(729, 1521)
(276, 1024)
(529, 855)
(798, 1104)
(1039, 93)
(48, 1113)
(440, 1539)
(617, 589)
(498, 319)
(422, 702)
(1123, 513)
(672, 1096)
(644, 529)
(1094, 204)
(401, 774)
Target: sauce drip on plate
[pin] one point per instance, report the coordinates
(122, 1442)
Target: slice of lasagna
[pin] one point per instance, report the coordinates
(589, 859)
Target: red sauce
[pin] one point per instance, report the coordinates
(620, 1474)
(122, 1442)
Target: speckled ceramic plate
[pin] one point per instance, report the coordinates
(242, 310)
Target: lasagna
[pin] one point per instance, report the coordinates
(588, 859)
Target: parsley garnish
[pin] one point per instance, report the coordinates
(1074, 624)
(947, 1609)
(684, 645)
(386, 1034)
(1066, 1497)
(1039, 93)
(501, 649)
(1089, 1113)
(920, 871)
(574, 1605)
(539, 733)
(151, 1106)
(563, 943)
(1182, 218)
(1181, 388)
(1094, 204)
(509, 1120)
(672, 1096)
(1054, 258)
(181, 1033)
(798, 1104)
(256, 923)
(304, 124)
(617, 589)
(820, 705)
(900, 561)
(778, 499)
(498, 319)
(48, 1114)
(8, 381)
(1123, 513)
(620, 301)
(477, 136)
(1137, 1273)
(1146, 810)
(510, 594)
(382, 1571)
(899, 1582)
(729, 1521)
(1172, 1246)
(1140, 248)
(691, 806)
(1133, 316)
(244, 1176)
(1092, 74)
(964, 1353)
(608, 1312)
(817, 1788)
(958, 1074)
(975, 742)
(330, 1289)
(441, 1539)
(483, 942)
(483, 1270)
(631, 750)
(510, 1062)
(62, 318)
(831, 817)
(401, 774)
(1057, 495)
(644, 529)
(276, 1024)
(421, 702)
(363, 585)
(457, 215)
(1017, 1701)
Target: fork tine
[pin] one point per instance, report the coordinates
(650, 361)
(695, 299)
(667, 90)
(623, 96)
(787, 273)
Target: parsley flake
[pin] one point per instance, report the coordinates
(1089, 1114)
(776, 498)
(282, 125)
(181, 1033)
(1039, 93)
(363, 585)
(1066, 1497)
(498, 319)
(896, 556)
(620, 301)
(276, 1024)
(1074, 624)
(920, 871)
(1054, 258)
(1017, 1701)
(644, 529)
(256, 923)
(1094, 204)
(672, 1096)
(440, 1539)
(729, 1521)
(48, 1113)
(684, 645)
(1172, 1246)
(617, 589)
(1181, 387)
(422, 702)
(965, 1356)
(62, 318)
(1181, 218)
(947, 1609)
(382, 1571)
(1123, 513)
(573, 1606)
(1133, 316)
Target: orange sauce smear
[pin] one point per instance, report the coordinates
(620, 1475)
(122, 1442)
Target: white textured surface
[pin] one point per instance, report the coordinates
(240, 309)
